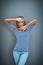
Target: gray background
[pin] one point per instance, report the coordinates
(30, 9)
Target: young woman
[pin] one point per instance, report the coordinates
(22, 32)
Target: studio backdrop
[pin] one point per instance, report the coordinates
(30, 9)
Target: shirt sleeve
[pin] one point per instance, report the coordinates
(31, 27)
(11, 26)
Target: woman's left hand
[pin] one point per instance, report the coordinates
(24, 28)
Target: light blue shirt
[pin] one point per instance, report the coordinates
(22, 38)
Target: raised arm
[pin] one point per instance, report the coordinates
(29, 24)
(33, 22)
(8, 20)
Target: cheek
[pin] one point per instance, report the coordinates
(19, 24)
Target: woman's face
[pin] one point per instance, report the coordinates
(20, 22)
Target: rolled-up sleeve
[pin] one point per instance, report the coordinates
(30, 28)
(11, 26)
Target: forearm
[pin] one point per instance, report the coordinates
(33, 22)
(9, 20)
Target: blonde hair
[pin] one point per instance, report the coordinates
(23, 21)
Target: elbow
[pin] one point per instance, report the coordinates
(6, 21)
(35, 21)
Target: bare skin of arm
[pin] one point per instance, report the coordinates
(7, 21)
(33, 22)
